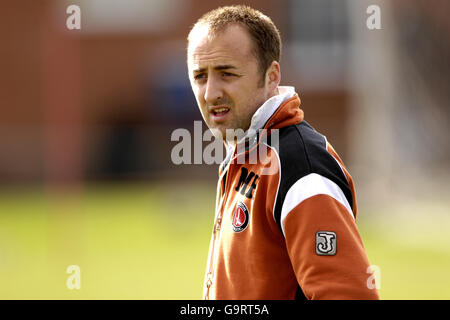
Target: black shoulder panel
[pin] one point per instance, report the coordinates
(302, 151)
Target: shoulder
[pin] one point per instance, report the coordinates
(305, 159)
(302, 151)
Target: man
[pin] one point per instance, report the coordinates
(284, 233)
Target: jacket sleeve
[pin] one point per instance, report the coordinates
(325, 248)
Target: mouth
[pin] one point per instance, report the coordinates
(219, 113)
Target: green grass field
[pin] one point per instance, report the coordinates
(150, 241)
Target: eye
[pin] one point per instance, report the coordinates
(199, 76)
(227, 74)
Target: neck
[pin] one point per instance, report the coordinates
(272, 93)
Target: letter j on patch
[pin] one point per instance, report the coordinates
(326, 243)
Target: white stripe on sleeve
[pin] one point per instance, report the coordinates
(307, 187)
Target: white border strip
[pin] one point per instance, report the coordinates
(279, 180)
(339, 164)
(311, 185)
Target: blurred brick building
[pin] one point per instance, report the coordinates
(101, 102)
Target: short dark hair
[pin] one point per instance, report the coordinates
(263, 32)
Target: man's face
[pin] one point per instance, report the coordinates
(224, 76)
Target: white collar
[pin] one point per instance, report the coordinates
(268, 108)
(262, 115)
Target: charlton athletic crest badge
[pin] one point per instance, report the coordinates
(240, 217)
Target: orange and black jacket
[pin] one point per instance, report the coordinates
(285, 223)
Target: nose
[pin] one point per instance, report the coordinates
(213, 91)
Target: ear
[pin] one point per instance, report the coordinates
(273, 76)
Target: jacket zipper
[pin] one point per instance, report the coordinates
(216, 231)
